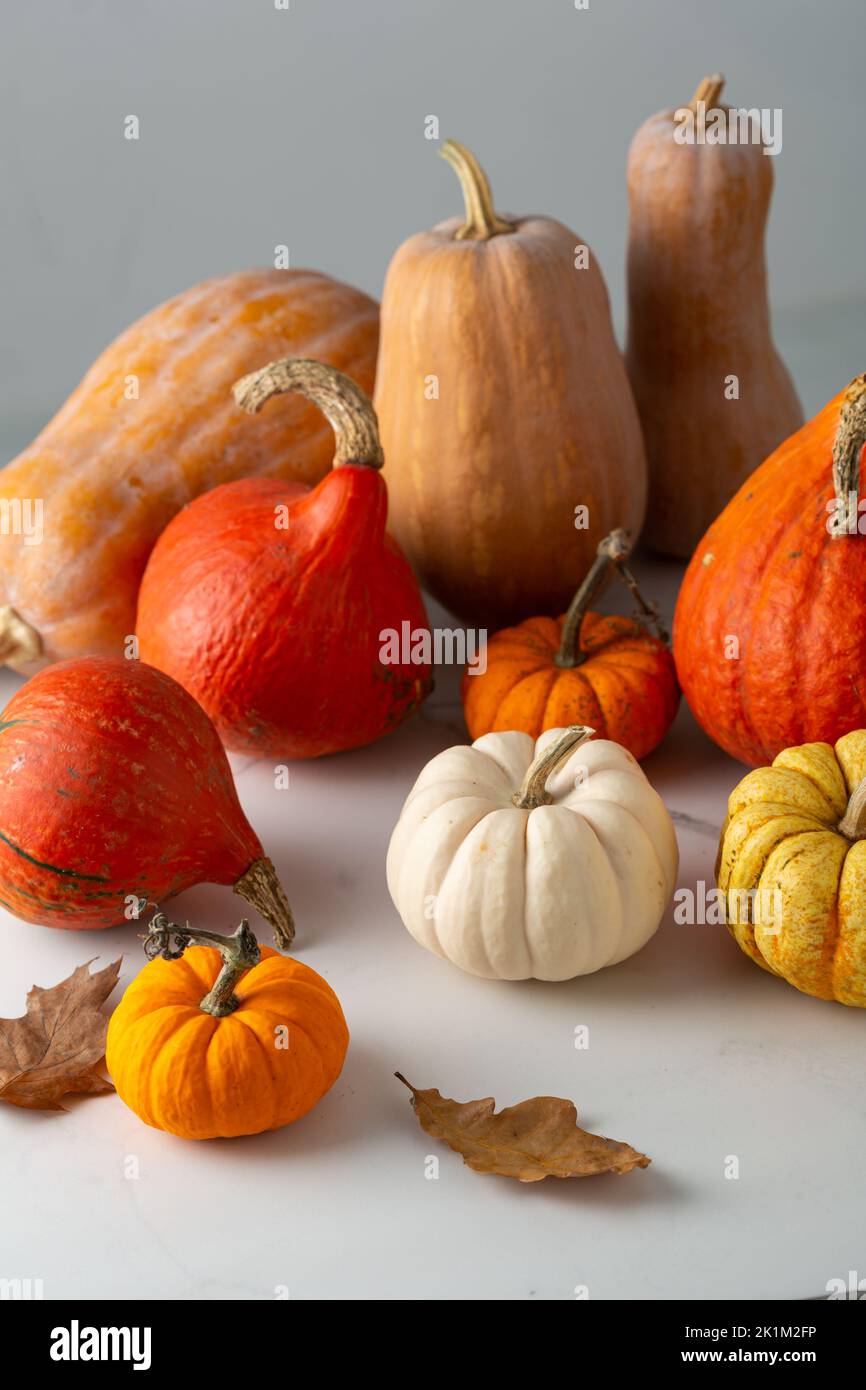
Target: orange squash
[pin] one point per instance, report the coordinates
(225, 1039)
(270, 603)
(151, 426)
(714, 396)
(583, 668)
(770, 624)
(504, 407)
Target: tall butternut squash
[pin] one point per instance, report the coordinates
(151, 426)
(714, 396)
(504, 410)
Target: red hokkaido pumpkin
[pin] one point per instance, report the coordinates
(273, 605)
(114, 786)
(770, 624)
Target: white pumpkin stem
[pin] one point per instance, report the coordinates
(240, 952)
(708, 91)
(534, 791)
(613, 550)
(348, 410)
(853, 823)
(482, 220)
(847, 447)
(19, 642)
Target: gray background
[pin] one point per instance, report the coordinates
(261, 127)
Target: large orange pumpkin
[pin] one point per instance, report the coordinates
(151, 426)
(583, 668)
(224, 1039)
(504, 407)
(770, 625)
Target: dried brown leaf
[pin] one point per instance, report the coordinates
(538, 1138)
(55, 1047)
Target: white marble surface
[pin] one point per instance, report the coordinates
(695, 1055)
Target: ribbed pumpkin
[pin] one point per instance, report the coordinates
(223, 1039)
(114, 787)
(770, 624)
(699, 315)
(582, 668)
(504, 407)
(792, 868)
(517, 859)
(272, 605)
(152, 425)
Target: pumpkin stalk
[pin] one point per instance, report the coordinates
(534, 791)
(613, 550)
(240, 952)
(847, 447)
(19, 642)
(482, 220)
(853, 823)
(708, 91)
(348, 410)
(261, 888)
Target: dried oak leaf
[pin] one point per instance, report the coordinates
(55, 1047)
(539, 1138)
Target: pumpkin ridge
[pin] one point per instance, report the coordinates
(577, 675)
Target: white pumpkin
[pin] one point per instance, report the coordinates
(517, 859)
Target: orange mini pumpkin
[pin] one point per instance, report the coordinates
(220, 1042)
(582, 668)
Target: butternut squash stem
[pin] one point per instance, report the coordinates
(533, 791)
(853, 823)
(709, 90)
(240, 952)
(348, 410)
(847, 447)
(261, 888)
(613, 550)
(482, 220)
(19, 642)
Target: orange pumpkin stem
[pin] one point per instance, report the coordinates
(534, 791)
(847, 447)
(613, 550)
(482, 220)
(240, 952)
(348, 410)
(19, 642)
(708, 91)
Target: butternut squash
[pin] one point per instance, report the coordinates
(713, 394)
(511, 438)
(152, 425)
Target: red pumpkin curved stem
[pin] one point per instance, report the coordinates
(348, 410)
(847, 447)
(534, 791)
(613, 550)
(240, 952)
(482, 220)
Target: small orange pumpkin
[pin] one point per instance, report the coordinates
(582, 668)
(227, 1041)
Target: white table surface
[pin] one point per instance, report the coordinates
(695, 1055)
